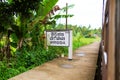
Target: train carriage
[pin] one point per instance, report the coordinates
(110, 40)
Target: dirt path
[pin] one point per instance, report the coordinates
(82, 67)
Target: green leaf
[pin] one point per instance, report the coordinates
(63, 16)
(44, 9)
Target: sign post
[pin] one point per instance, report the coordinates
(70, 47)
(45, 44)
(60, 38)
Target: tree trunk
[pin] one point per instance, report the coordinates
(20, 43)
(8, 54)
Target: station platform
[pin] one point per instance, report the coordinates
(82, 67)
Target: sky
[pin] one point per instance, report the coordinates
(86, 12)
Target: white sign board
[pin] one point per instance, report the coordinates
(58, 38)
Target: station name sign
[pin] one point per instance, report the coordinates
(58, 38)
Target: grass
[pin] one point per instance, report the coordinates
(83, 41)
(27, 59)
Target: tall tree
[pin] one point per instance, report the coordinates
(16, 15)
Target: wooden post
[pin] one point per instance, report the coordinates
(45, 41)
(66, 14)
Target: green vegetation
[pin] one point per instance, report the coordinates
(22, 25)
(82, 35)
(89, 36)
(83, 41)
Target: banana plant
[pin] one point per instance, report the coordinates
(6, 21)
(62, 11)
(44, 9)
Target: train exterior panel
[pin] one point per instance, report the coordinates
(110, 40)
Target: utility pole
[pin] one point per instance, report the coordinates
(66, 14)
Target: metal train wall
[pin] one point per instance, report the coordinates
(110, 43)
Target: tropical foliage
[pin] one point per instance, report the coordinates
(20, 20)
(82, 35)
(22, 25)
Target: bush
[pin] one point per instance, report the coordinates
(25, 60)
